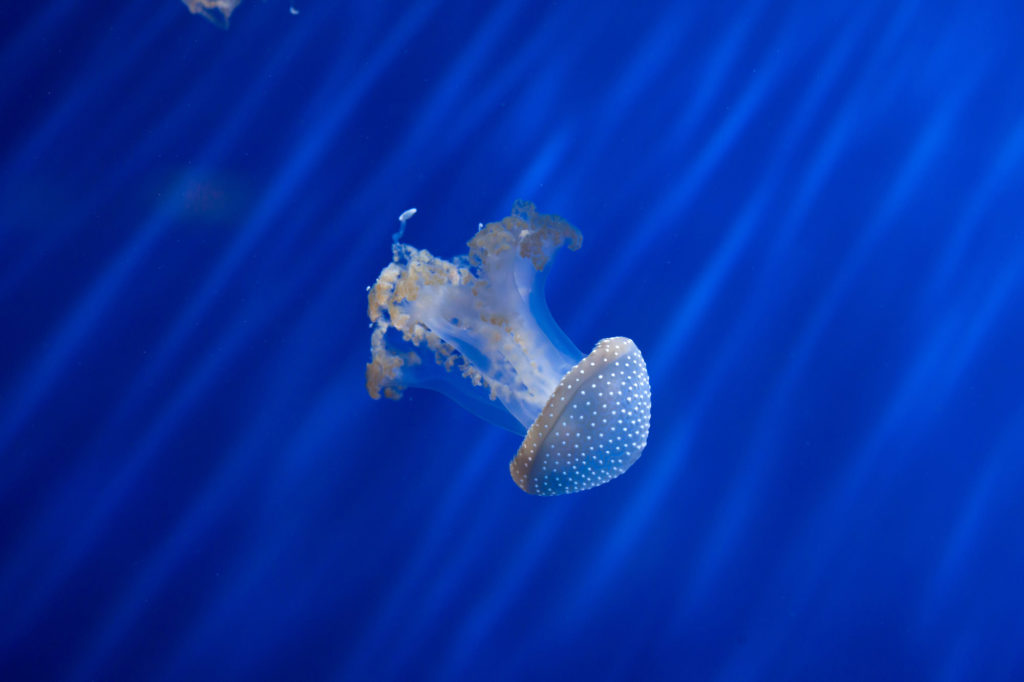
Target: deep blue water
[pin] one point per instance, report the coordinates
(809, 216)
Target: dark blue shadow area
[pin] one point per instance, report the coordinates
(807, 215)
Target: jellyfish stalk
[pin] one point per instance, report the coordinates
(477, 328)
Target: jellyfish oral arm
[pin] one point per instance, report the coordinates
(407, 214)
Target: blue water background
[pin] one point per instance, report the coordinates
(809, 216)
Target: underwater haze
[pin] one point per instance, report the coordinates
(808, 216)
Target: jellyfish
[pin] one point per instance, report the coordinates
(477, 328)
(217, 12)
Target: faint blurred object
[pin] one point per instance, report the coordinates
(218, 12)
(207, 197)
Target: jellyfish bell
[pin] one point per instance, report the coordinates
(594, 425)
(477, 328)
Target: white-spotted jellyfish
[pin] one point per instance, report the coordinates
(477, 328)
